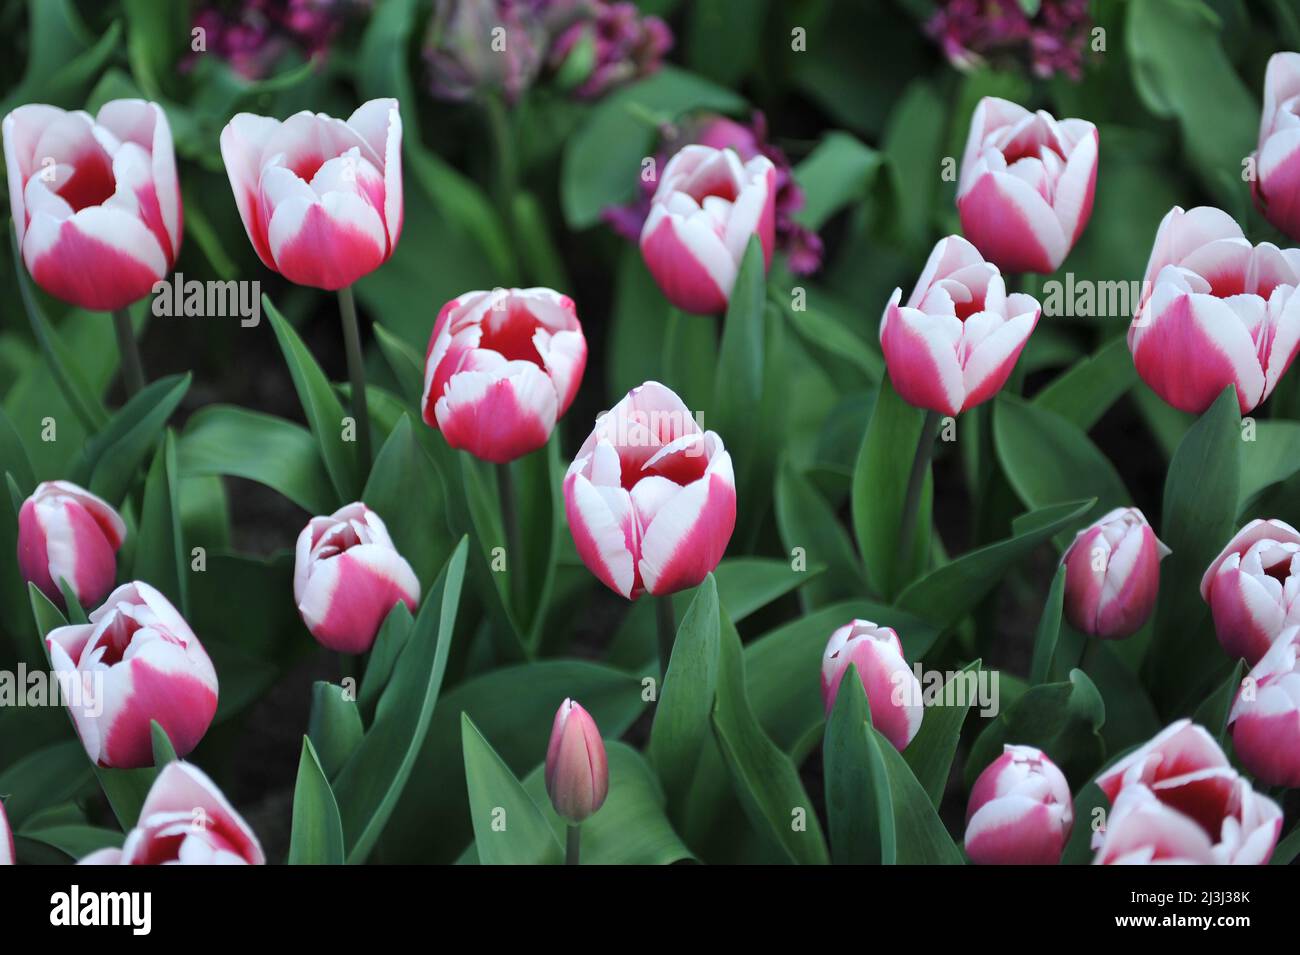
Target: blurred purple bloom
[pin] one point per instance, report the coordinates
(1051, 41)
(251, 35)
(485, 47)
(802, 246)
(616, 44)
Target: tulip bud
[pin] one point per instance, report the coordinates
(1112, 575)
(954, 343)
(483, 48)
(96, 202)
(650, 497)
(1276, 185)
(1026, 185)
(185, 820)
(707, 206)
(577, 774)
(1253, 588)
(320, 198)
(1265, 717)
(1178, 799)
(137, 661)
(1020, 812)
(67, 533)
(501, 368)
(893, 691)
(348, 576)
(614, 45)
(1216, 311)
(6, 839)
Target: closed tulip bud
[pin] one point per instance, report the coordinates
(321, 198)
(893, 691)
(1112, 575)
(185, 820)
(1276, 185)
(1026, 185)
(66, 533)
(1216, 311)
(577, 773)
(96, 202)
(1020, 812)
(348, 576)
(707, 206)
(136, 662)
(1253, 588)
(650, 497)
(501, 368)
(954, 343)
(1178, 799)
(1265, 717)
(6, 839)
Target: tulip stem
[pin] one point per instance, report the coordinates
(514, 545)
(1088, 654)
(571, 844)
(505, 170)
(356, 372)
(666, 625)
(132, 370)
(916, 481)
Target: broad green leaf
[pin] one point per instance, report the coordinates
(838, 172)
(160, 554)
(920, 834)
(317, 835)
(163, 751)
(126, 791)
(387, 648)
(724, 38)
(807, 522)
(1214, 711)
(509, 828)
(40, 779)
(738, 379)
(858, 809)
(1270, 453)
(334, 727)
(1049, 629)
(1287, 849)
(405, 363)
(638, 326)
(930, 753)
(76, 841)
(155, 36)
(13, 456)
(1088, 389)
(109, 461)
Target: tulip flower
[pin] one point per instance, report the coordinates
(954, 343)
(1253, 588)
(893, 691)
(1112, 574)
(577, 773)
(481, 48)
(347, 576)
(1276, 185)
(1265, 716)
(67, 533)
(1216, 311)
(651, 497)
(1020, 811)
(707, 206)
(501, 367)
(185, 820)
(96, 202)
(1026, 185)
(1177, 798)
(137, 661)
(321, 198)
(6, 839)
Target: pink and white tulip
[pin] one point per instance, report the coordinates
(1276, 185)
(954, 343)
(1026, 185)
(321, 198)
(502, 367)
(707, 206)
(67, 533)
(1020, 811)
(1178, 799)
(6, 839)
(1253, 588)
(135, 662)
(1265, 717)
(96, 202)
(185, 820)
(1216, 311)
(1112, 575)
(577, 771)
(893, 691)
(650, 497)
(348, 576)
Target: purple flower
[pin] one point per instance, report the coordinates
(612, 46)
(802, 246)
(493, 47)
(250, 36)
(1051, 41)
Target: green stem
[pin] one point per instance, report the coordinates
(132, 370)
(356, 372)
(514, 545)
(571, 844)
(915, 482)
(1089, 654)
(505, 169)
(666, 626)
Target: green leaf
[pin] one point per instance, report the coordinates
(154, 31)
(1085, 392)
(40, 779)
(334, 727)
(388, 646)
(839, 171)
(1049, 629)
(1270, 457)
(321, 407)
(126, 791)
(858, 808)
(47, 617)
(1214, 711)
(163, 751)
(405, 363)
(638, 327)
(765, 780)
(724, 38)
(682, 715)
(930, 753)
(509, 829)
(160, 555)
(1287, 849)
(317, 835)
(225, 440)
(920, 833)
(14, 455)
(738, 381)
(108, 463)
(806, 521)
(879, 490)
(76, 841)
(371, 782)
